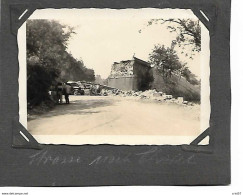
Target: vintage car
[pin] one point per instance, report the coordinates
(77, 89)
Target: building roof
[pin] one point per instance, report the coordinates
(142, 62)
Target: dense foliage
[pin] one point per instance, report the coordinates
(48, 60)
(168, 65)
(166, 61)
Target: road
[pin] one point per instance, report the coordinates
(107, 115)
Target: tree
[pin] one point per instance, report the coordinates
(168, 70)
(47, 40)
(165, 60)
(188, 32)
(48, 60)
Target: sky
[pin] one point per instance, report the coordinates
(105, 36)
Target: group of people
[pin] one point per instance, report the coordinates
(59, 90)
(63, 89)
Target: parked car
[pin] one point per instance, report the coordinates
(88, 86)
(76, 88)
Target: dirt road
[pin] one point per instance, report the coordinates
(99, 115)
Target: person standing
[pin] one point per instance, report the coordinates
(67, 92)
(59, 92)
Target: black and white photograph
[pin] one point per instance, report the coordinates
(124, 97)
(133, 76)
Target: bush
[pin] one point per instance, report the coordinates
(39, 80)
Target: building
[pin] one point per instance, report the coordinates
(134, 74)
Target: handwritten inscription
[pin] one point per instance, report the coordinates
(110, 160)
(154, 155)
(44, 158)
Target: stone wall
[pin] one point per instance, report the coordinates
(126, 83)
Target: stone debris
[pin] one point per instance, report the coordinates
(148, 94)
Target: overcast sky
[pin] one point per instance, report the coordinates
(104, 36)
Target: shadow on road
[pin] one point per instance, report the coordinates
(79, 107)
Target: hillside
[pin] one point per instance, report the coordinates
(176, 86)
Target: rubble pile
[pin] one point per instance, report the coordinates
(148, 94)
(123, 68)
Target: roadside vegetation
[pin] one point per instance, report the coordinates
(167, 64)
(48, 61)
